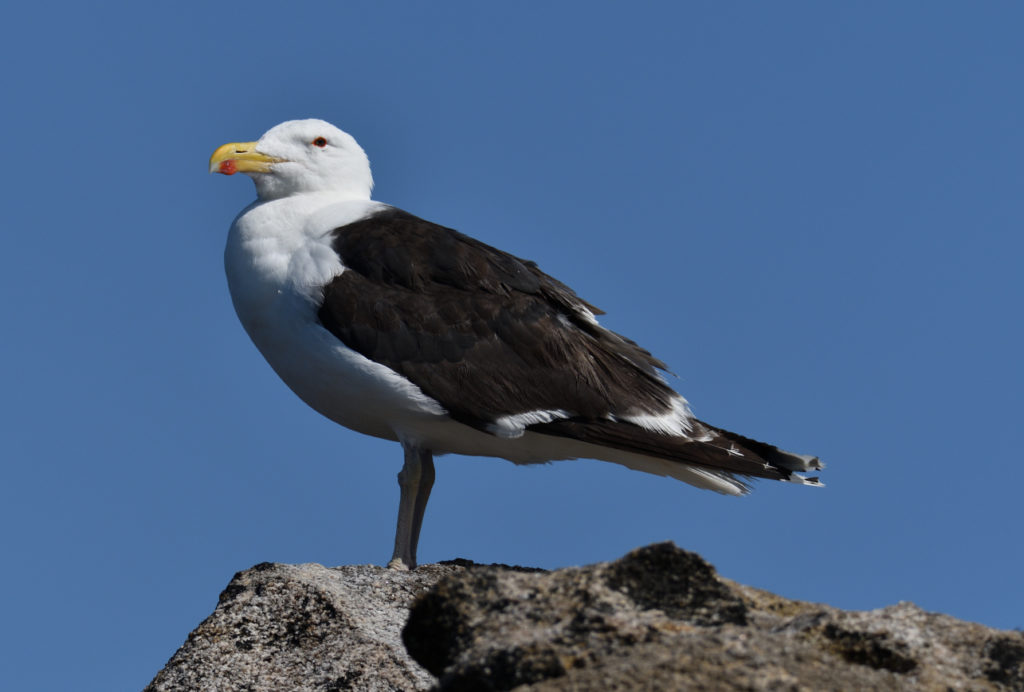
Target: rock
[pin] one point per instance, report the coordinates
(305, 627)
(660, 619)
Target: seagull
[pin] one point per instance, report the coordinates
(399, 328)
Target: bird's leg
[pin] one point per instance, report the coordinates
(415, 481)
(422, 495)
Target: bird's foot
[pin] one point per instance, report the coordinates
(398, 564)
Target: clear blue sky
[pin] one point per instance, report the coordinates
(811, 211)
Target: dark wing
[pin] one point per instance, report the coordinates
(484, 333)
(487, 335)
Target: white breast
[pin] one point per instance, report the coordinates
(277, 259)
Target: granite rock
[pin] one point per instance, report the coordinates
(659, 618)
(304, 628)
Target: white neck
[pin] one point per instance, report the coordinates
(283, 246)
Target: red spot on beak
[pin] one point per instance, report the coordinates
(228, 167)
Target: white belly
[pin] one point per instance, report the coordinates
(336, 381)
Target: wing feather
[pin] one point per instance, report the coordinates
(483, 332)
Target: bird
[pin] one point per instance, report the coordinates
(406, 330)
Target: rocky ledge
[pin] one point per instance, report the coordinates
(659, 618)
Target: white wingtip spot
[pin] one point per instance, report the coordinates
(805, 480)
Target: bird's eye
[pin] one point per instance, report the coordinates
(320, 142)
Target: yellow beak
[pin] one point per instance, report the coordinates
(241, 157)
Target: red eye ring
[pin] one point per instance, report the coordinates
(320, 142)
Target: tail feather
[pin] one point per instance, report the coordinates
(770, 453)
(707, 447)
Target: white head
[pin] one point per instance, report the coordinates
(299, 156)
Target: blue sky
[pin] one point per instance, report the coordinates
(811, 211)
